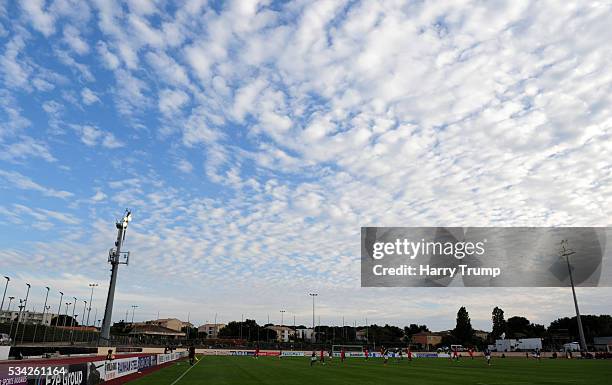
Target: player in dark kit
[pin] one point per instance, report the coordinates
(487, 354)
(191, 355)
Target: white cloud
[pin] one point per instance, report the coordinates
(89, 97)
(22, 182)
(43, 21)
(93, 136)
(171, 101)
(73, 38)
(184, 166)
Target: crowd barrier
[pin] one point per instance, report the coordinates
(79, 371)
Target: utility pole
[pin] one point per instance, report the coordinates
(92, 285)
(4, 295)
(115, 258)
(566, 252)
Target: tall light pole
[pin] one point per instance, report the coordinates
(114, 258)
(313, 295)
(59, 312)
(566, 252)
(42, 321)
(92, 285)
(25, 303)
(133, 310)
(4, 295)
(283, 330)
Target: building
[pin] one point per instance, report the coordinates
(283, 333)
(169, 323)
(153, 330)
(304, 334)
(603, 344)
(518, 344)
(211, 330)
(481, 334)
(427, 339)
(361, 335)
(28, 317)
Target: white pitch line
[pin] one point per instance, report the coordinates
(185, 372)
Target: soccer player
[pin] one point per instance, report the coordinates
(256, 352)
(313, 358)
(537, 354)
(471, 353)
(191, 355)
(322, 356)
(456, 354)
(385, 356)
(342, 355)
(400, 356)
(367, 353)
(409, 353)
(487, 354)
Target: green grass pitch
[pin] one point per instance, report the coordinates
(225, 370)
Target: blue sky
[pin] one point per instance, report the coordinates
(252, 140)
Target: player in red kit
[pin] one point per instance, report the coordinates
(471, 353)
(409, 353)
(342, 355)
(322, 356)
(257, 352)
(367, 353)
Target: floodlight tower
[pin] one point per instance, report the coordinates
(115, 258)
(566, 252)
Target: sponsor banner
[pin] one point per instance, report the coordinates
(443, 355)
(75, 374)
(271, 354)
(163, 358)
(146, 362)
(96, 372)
(87, 373)
(10, 379)
(486, 256)
(241, 353)
(292, 354)
(426, 355)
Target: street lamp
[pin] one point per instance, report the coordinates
(25, 303)
(65, 317)
(42, 321)
(11, 298)
(83, 315)
(59, 311)
(566, 252)
(114, 258)
(92, 285)
(72, 321)
(3, 295)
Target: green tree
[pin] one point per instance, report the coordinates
(499, 323)
(463, 332)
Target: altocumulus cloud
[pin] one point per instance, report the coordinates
(292, 125)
